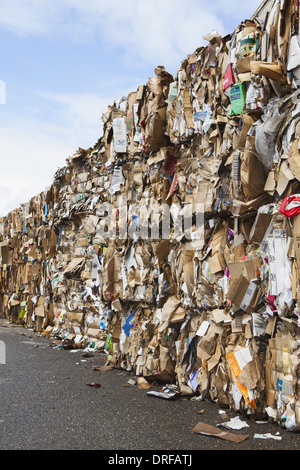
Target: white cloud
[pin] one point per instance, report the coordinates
(235, 9)
(32, 149)
(78, 113)
(29, 160)
(161, 32)
(33, 146)
(29, 17)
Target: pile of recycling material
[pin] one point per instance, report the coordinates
(173, 244)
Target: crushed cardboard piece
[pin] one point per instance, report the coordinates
(208, 430)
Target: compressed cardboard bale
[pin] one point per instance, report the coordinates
(176, 307)
(253, 175)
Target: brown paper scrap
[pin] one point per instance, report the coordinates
(208, 430)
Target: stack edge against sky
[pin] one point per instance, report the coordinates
(101, 259)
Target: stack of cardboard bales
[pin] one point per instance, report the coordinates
(102, 260)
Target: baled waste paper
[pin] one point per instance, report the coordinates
(173, 244)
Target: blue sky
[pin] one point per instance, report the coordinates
(64, 61)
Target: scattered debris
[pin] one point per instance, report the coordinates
(131, 382)
(267, 436)
(143, 384)
(235, 423)
(208, 430)
(169, 392)
(94, 384)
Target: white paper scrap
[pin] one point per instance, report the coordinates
(203, 328)
(235, 423)
(267, 436)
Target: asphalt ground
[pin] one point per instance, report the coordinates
(47, 403)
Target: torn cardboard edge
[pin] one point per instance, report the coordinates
(208, 430)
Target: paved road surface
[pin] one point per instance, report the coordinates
(46, 404)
